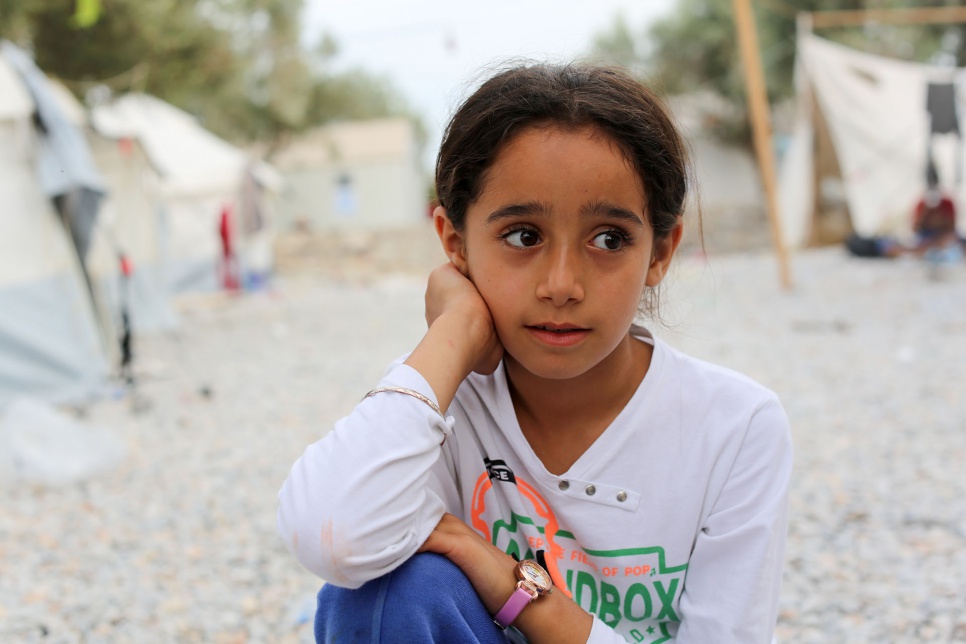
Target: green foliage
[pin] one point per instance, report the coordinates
(694, 48)
(237, 65)
(86, 13)
(621, 46)
(13, 21)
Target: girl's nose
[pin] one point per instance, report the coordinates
(561, 282)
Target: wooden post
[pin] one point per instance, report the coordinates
(911, 16)
(761, 127)
(803, 27)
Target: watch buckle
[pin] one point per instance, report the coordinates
(528, 588)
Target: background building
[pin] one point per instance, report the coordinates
(359, 174)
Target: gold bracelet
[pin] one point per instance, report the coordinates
(408, 392)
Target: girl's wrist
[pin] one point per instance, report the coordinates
(555, 618)
(445, 356)
(465, 339)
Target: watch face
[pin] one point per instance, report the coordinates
(532, 571)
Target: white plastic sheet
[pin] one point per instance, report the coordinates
(875, 109)
(42, 446)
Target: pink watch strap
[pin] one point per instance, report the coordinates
(512, 608)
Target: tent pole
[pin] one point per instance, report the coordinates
(761, 127)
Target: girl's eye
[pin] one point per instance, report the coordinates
(523, 238)
(610, 240)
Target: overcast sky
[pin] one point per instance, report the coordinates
(432, 49)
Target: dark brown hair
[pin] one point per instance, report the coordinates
(568, 96)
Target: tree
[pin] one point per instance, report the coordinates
(621, 46)
(237, 65)
(14, 25)
(693, 48)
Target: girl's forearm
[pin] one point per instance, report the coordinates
(553, 618)
(556, 619)
(364, 497)
(446, 355)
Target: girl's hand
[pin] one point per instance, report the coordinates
(489, 569)
(553, 618)
(450, 293)
(461, 336)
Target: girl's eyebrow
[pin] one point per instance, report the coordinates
(534, 208)
(516, 210)
(604, 209)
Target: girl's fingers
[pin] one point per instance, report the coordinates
(448, 290)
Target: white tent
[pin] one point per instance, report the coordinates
(131, 223)
(193, 177)
(128, 223)
(52, 343)
(874, 112)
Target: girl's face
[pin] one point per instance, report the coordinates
(559, 246)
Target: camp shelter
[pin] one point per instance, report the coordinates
(863, 129)
(194, 178)
(131, 225)
(54, 344)
(353, 174)
(128, 224)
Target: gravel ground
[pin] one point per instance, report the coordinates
(178, 544)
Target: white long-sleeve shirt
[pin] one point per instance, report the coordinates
(670, 527)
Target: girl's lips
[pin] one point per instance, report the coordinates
(558, 336)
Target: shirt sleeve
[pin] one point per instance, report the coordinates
(360, 501)
(734, 575)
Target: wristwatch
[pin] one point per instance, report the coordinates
(533, 582)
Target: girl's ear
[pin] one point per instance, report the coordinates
(451, 239)
(663, 252)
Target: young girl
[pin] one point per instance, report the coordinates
(643, 490)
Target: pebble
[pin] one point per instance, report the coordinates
(178, 543)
